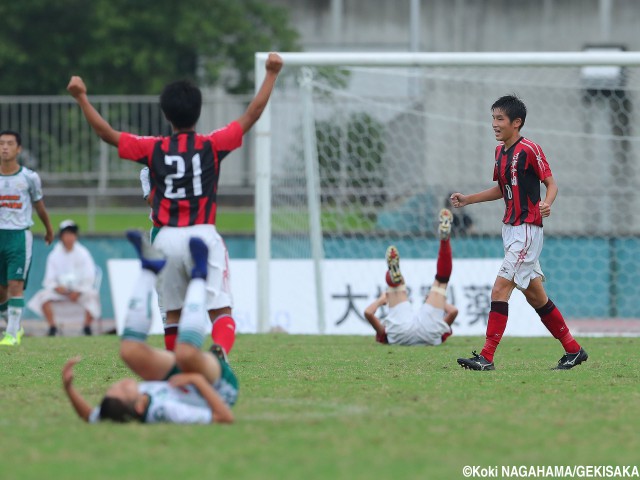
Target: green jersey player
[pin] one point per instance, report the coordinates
(20, 193)
(185, 386)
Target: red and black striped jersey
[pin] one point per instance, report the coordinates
(519, 171)
(184, 170)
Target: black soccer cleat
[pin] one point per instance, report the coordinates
(477, 362)
(570, 360)
(219, 352)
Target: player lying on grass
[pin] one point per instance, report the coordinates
(184, 173)
(184, 386)
(432, 324)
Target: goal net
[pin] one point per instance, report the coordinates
(357, 152)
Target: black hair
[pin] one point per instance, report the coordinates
(14, 133)
(181, 103)
(513, 108)
(116, 410)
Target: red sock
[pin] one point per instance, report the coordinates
(498, 317)
(390, 282)
(223, 332)
(554, 321)
(170, 335)
(445, 263)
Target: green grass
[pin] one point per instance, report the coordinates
(239, 221)
(117, 221)
(326, 407)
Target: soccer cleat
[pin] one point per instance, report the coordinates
(445, 219)
(9, 340)
(200, 255)
(219, 352)
(393, 264)
(86, 330)
(150, 258)
(477, 362)
(52, 331)
(570, 360)
(19, 335)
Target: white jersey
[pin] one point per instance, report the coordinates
(168, 404)
(18, 192)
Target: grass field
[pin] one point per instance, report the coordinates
(116, 221)
(333, 408)
(238, 221)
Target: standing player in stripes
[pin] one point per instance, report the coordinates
(520, 167)
(184, 170)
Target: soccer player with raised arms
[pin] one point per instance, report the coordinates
(520, 167)
(184, 171)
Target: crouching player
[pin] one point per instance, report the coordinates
(184, 386)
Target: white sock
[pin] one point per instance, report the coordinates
(137, 323)
(16, 305)
(193, 324)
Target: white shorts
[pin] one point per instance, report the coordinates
(176, 275)
(404, 327)
(522, 248)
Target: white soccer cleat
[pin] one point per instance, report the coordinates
(446, 219)
(393, 264)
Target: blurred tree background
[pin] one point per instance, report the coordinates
(136, 46)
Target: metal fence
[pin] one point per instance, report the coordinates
(60, 145)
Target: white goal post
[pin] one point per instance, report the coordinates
(432, 109)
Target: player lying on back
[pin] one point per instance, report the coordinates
(431, 325)
(185, 386)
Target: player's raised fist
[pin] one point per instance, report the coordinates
(76, 87)
(274, 63)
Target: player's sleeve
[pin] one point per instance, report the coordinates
(145, 182)
(35, 186)
(176, 412)
(541, 166)
(495, 167)
(94, 416)
(138, 149)
(226, 139)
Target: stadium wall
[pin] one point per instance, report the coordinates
(608, 291)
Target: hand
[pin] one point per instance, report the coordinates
(48, 238)
(274, 63)
(382, 299)
(184, 379)
(382, 338)
(61, 290)
(74, 296)
(76, 87)
(67, 371)
(545, 209)
(459, 200)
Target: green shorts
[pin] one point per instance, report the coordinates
(227, 385)
(15, 255)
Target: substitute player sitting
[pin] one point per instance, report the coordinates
(432, 324)
(185, 386)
